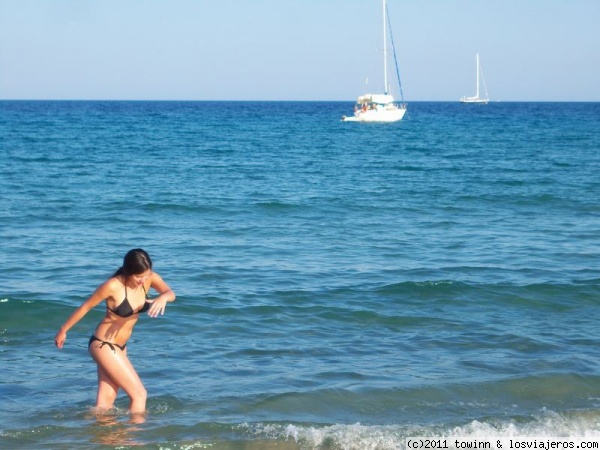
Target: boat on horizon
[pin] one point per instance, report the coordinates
(479, 75)
(380, 107)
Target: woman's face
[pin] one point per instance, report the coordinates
(141, 278)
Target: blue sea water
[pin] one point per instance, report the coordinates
(340, 285)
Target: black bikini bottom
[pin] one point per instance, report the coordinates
(110, 344)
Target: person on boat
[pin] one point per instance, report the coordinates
(126, 296)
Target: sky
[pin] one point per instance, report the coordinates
(306, 50)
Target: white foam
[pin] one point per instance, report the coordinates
(387, 437)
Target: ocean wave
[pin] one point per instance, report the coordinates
(580, 424)
(117, 429)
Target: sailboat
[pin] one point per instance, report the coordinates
(477, 98)
(380, 107)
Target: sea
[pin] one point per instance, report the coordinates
(339, 285)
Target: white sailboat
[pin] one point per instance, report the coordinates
(379, 107)
(477, 98)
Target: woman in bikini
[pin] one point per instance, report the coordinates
(126, 297)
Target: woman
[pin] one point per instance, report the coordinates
(126, 297)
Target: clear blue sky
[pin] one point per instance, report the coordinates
(531, 50)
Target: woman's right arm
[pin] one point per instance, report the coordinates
(100, 294)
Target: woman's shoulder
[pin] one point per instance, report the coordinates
(106, 290)
(115, 281)
(113, 284)
(155, 276)
(155, 281)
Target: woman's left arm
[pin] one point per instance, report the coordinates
(166, 295)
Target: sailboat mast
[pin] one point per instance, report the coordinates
(385, 82)
(477, 60)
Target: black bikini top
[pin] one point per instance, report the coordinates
(125, 310)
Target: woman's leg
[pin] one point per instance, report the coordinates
(115, 371)
(107, 390)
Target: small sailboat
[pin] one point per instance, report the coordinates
(477, 98)
(380, 107)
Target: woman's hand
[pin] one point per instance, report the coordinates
(157, 307)
(60, 338)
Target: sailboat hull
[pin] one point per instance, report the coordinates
(383, 114)
(474, 100)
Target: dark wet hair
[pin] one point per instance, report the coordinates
(136, 261)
